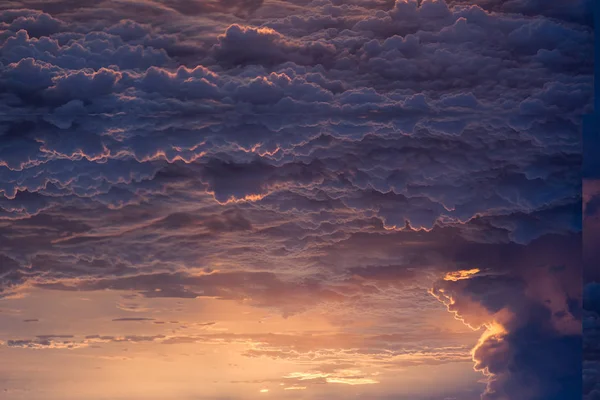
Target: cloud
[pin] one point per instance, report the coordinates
(130, 319)
(591, 330)
(245, 45)
(529, 320)
(579, 11)
(294, 156)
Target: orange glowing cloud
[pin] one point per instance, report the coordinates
(250, 198)
(492, 338)
(460, 275)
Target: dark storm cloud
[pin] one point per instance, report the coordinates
(591, 340)
(591, 275)
(532, 304)
(304, 154)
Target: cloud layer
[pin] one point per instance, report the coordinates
(306, 155)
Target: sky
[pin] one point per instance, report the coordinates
(294, 199)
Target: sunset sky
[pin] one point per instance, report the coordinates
(294, 199)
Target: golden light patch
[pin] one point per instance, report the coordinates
(460, 275)
(246, 199)
(493, 332)
(493, 329)
(347, 377)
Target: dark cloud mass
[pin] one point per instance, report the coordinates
(302, 154)
(591, 272)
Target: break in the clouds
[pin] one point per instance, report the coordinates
(372, 161)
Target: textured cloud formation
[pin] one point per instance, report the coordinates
(531, 348)
(298, 155)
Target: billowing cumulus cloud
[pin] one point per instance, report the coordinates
(295, 155)
(532, 321)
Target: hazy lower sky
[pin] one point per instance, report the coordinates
(293, 199)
